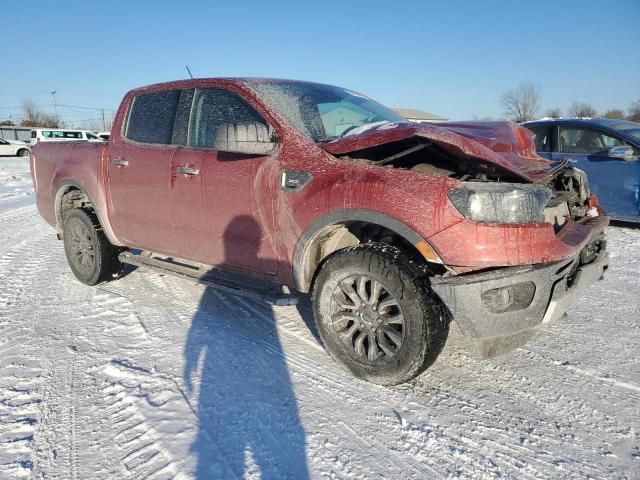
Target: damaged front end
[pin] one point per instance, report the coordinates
(531, 238)
(499, 309)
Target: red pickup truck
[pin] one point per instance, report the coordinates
(395, 228)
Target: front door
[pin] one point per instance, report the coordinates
(239, 190)
(613, 180)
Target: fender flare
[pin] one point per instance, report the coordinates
(340, 216)
(62, 188)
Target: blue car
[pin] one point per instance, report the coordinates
(608, 150)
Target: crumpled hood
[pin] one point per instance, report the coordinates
(501, 143)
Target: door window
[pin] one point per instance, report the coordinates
(586, 141)
(212, 108)
(151, 117)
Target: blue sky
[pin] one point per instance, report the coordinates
(453, 58)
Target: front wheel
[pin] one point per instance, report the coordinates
(92, 258)
(23, 152)
(376, 314)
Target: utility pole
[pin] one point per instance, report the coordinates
(55, 105)
(104, 125)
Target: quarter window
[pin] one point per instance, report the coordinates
(212, 108)
(151, 117)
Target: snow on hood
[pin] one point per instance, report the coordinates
(501, 143)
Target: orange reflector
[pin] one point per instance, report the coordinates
(428, 252)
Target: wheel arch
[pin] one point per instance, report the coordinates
(68, 186)
(348, 227)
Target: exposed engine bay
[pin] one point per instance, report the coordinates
(419, 155)
(569, 186)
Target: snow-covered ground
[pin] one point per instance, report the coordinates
(154, 377)
(16, 188)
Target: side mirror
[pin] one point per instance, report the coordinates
(623, 153)
(248, 137)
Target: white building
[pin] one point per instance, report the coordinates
(419, 116)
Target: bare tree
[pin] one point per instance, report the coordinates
(553, 113)
(614, 113)
(522, 103)
(582, 110)
(34, 117)
(634, 112)
(7, 123)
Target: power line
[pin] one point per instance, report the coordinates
(87, 108)
(65, 106)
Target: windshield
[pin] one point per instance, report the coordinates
(322, 112)
(630, 128)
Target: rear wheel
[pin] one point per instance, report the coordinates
(92, 258)
(377, 315)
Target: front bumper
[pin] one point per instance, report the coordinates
(499, 310)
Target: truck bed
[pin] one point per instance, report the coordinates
(54, 164)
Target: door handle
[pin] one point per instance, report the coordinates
(187, 170)
(120, 162)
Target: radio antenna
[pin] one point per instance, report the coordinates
(189, 71)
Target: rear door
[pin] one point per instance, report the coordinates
(613, 180)
(139, 173)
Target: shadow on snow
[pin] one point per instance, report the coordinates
(247, 409)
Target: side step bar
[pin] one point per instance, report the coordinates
(236, 284)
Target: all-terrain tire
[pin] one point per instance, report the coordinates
(92, 258)
(390, 353)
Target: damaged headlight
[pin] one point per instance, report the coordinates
(501, 202)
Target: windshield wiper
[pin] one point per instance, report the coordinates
(326, 139)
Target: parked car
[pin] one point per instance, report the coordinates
(14, 148)
(393, 227)
(608, 150)
(59, 134)
(104, 135)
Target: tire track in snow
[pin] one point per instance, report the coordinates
(22, 382)
(20, 397)
(128, 390)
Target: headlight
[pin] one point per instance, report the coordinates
(501, 202)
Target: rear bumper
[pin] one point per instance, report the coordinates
(499, 310)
